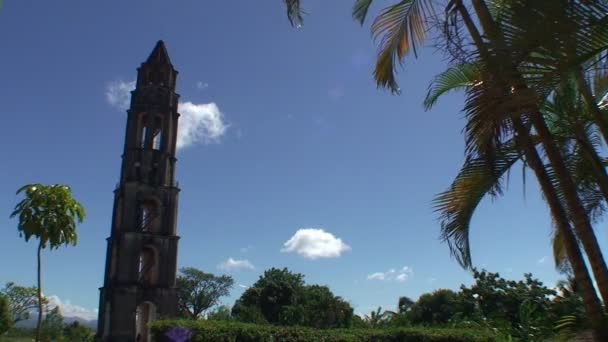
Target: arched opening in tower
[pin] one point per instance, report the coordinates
(145, 314)
(150, 216)
(148, 266)
(157, 134)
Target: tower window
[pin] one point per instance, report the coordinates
(156, 140)
(144, 133)
(150, 216)
(148, 266)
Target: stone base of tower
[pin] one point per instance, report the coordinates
(138, 307)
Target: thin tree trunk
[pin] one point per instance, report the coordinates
(39, 293)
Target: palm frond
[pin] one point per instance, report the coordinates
(360, 10)
(401, 28)
(457, 205)
(547, 39)
(560, 256)
(488, 110)
(455, 78)
(295, 14)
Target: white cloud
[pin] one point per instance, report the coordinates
(541, 260)
(376, 276)
(118, 94)
(312, 243)
(70, 310)
(243, 286)
(431, 280)
(246, 249)
(198, 123)
(200, 85)
(234, 265)
(400, 276)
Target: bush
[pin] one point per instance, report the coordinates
(6, 319)
(220, 331)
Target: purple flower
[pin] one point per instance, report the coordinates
(179, 334)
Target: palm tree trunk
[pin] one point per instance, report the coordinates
(579, 217)
(39, 293)
(577, 262)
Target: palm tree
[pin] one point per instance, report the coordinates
(474, 181)
(519, 71)
(49, 213)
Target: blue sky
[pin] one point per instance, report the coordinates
(288, 132)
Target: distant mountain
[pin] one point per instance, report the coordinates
(31, 323)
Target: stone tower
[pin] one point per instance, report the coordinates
(139, 283)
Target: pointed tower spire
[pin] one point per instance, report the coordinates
(157, 70)
(159, 55)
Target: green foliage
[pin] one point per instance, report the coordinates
(198, 291)
(21, 300)
(248, 314)
(405, 304)
(6, 318)
(435, 308)
(52, 326)
(359, 323)
(321, 309)
(221, 313)
(378, 318)
(77, 332)
(217, 331)
(49, 213)
(525, 304)
(281, 297)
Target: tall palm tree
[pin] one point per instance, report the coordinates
(474, 181)
(50, 214)
(506, 36)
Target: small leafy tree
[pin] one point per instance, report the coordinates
(281, 297)
(21, 300)
(52, 326)
(50, 214)
(319, 308)
(6, 319)
(198, 291)
(274, 291)
(435, 308)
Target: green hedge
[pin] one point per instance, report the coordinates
(221, 331)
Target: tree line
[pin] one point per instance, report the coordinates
(524, 310)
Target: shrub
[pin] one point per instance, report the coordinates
(221, 331)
